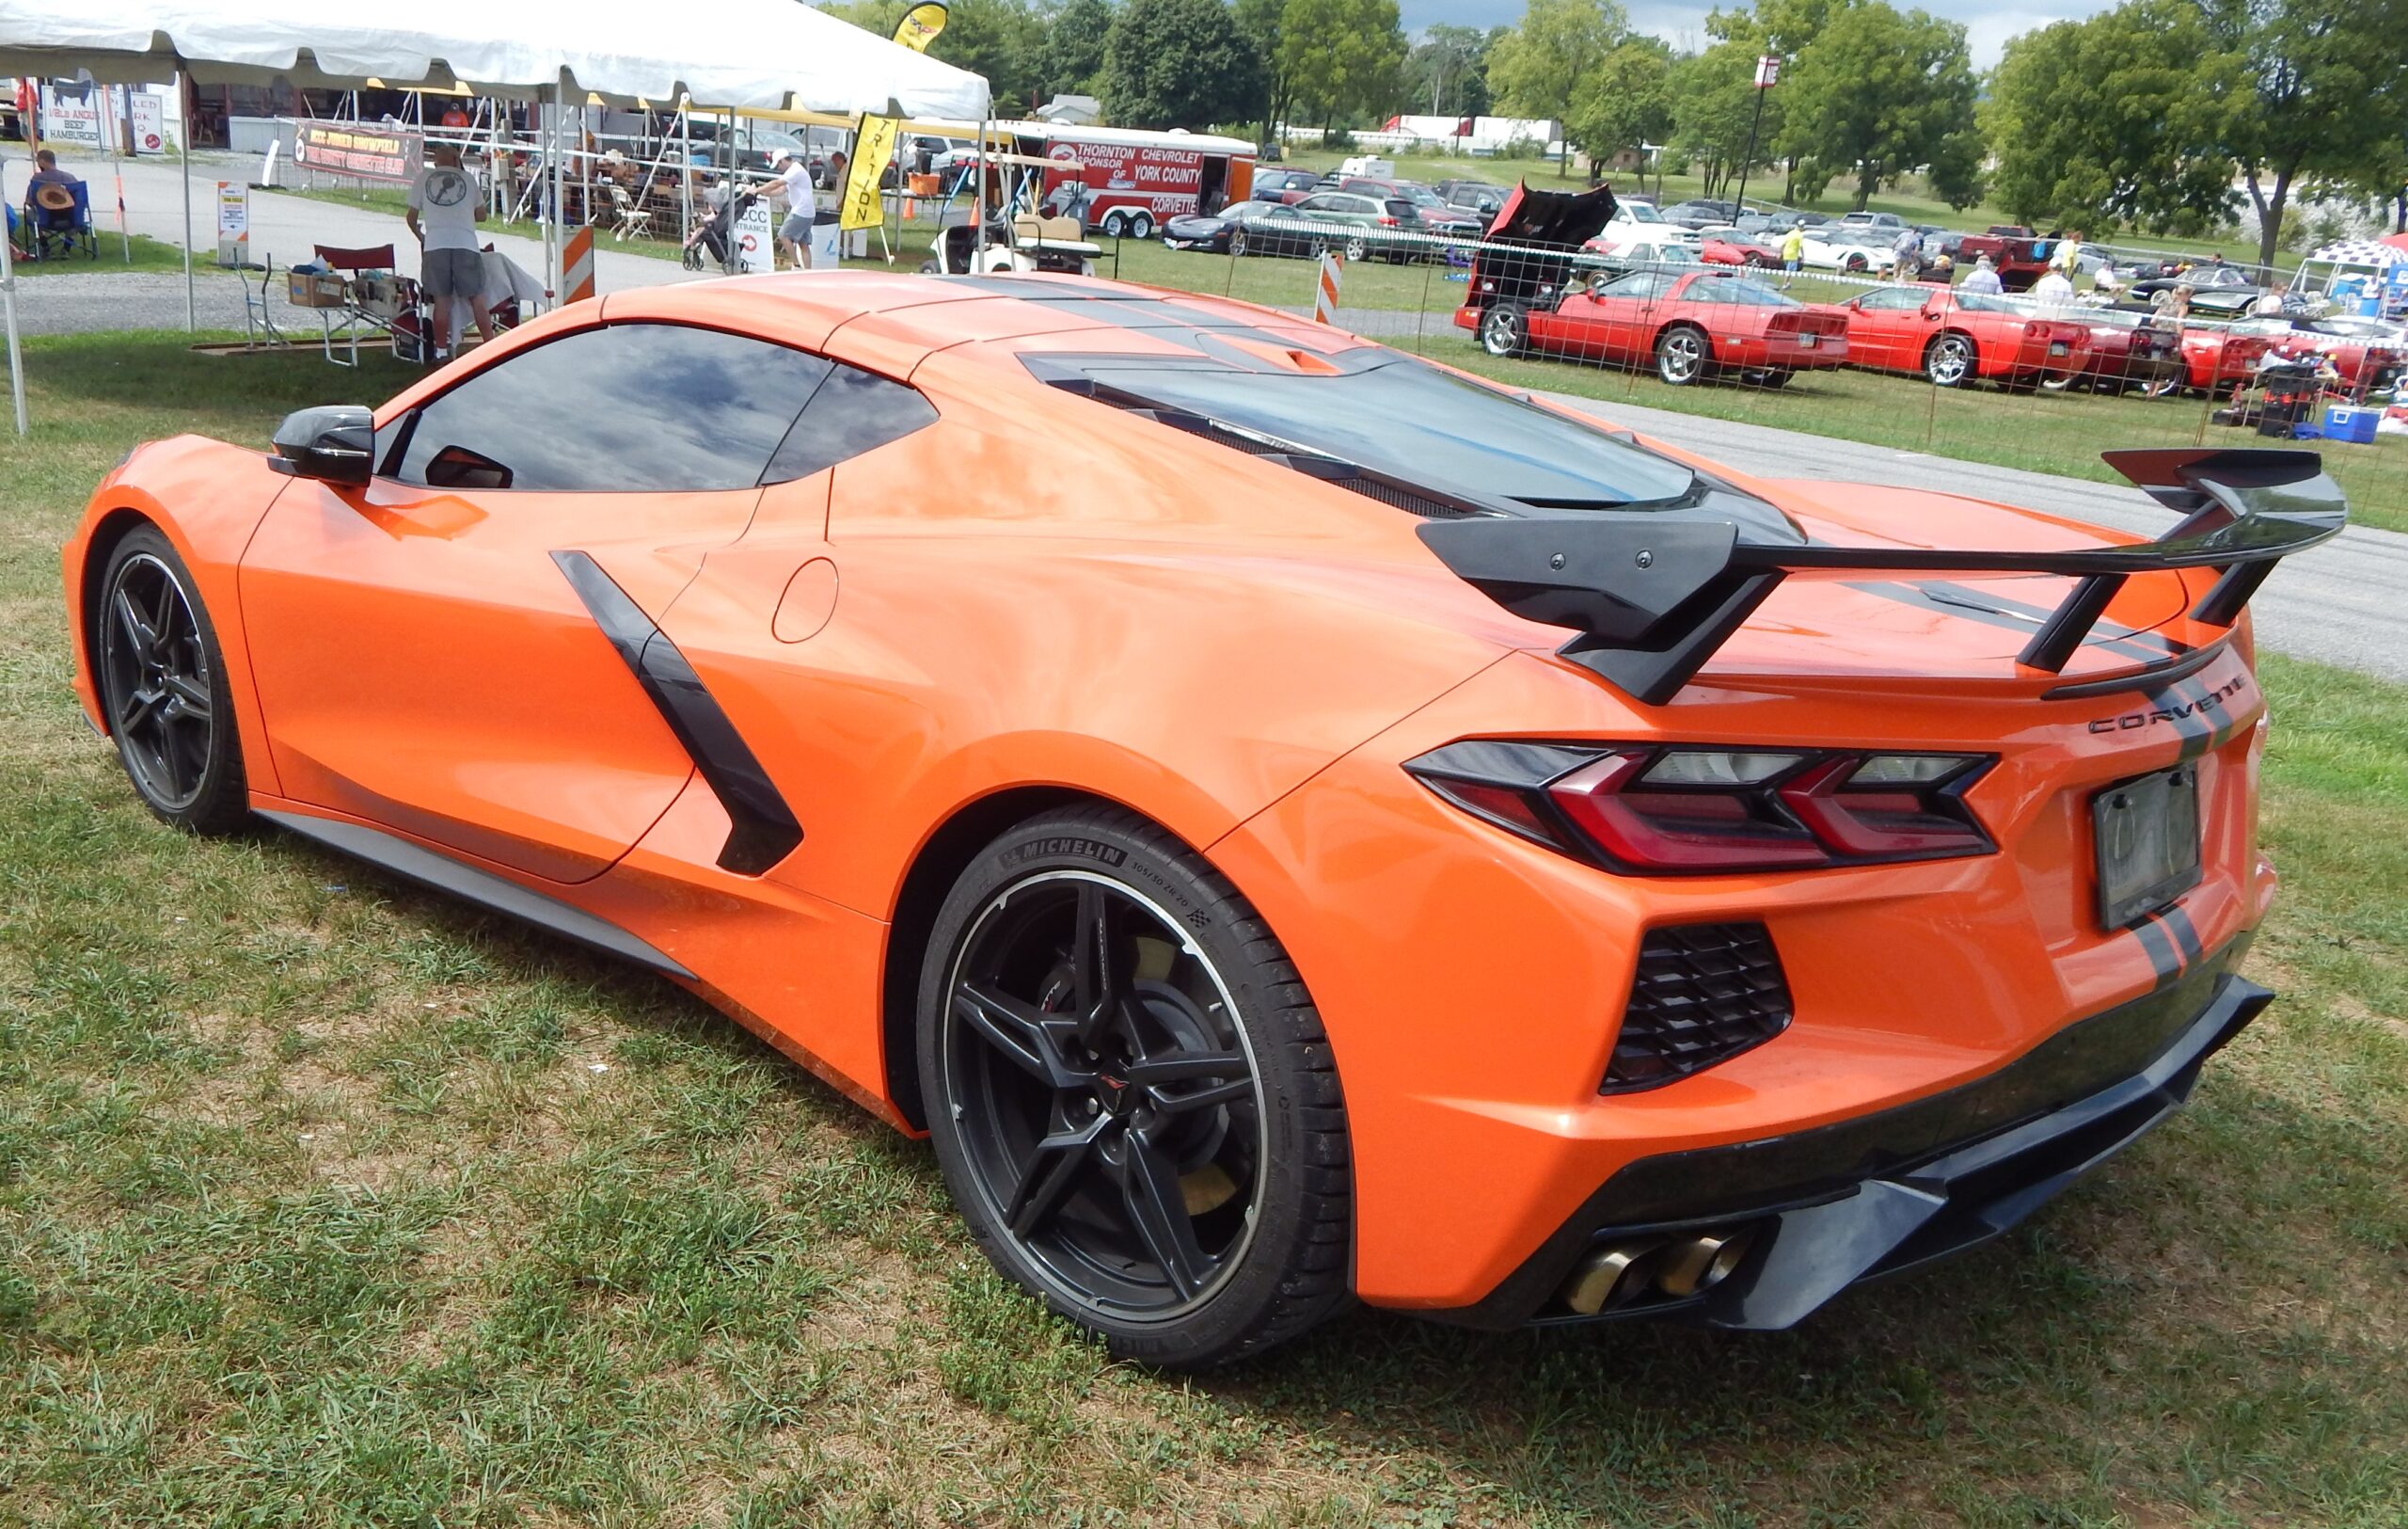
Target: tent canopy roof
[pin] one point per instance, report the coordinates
(774, 54)
(2377, 253)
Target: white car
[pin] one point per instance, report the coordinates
(1636, 220)
(1857, 252)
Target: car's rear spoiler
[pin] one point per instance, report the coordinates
(1654, 594)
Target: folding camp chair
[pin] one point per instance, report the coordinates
(64, 231)
(259, 315)
(350, 313)
(629, 220)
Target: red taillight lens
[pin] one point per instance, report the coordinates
(1652, 809)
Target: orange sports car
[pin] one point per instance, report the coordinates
(1290, 820)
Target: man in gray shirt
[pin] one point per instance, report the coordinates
(445, 205)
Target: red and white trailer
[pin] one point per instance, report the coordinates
(1128, 181)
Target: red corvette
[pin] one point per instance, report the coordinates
(2365, 352)
(1956, 337)
(1735, 249)
(2218, 359)
(1688, 324)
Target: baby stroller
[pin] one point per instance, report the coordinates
(712, 239)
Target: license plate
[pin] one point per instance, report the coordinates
(1808, 342)
(2147, 834)
(2057, 347)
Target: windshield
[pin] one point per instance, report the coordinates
(1416, 422)
(1420, 196)
(1641, 213)
(1754, 294)
(1983, 302)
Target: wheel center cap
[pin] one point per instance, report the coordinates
(1114, 1094)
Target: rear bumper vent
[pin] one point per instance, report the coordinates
(1703, 993)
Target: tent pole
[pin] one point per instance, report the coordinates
(685, 167)
(553, 232)
(184, 153)
(9, 302)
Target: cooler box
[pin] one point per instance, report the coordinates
(2343, 422)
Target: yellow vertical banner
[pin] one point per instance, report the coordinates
(874, 137)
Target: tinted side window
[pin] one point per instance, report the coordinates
(626, 407)
(1891, 299)
(1642, 284)
(853, 411)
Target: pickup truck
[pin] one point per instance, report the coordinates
(2016, 255)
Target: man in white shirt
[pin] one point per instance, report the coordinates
(1982, 278)
(802, 206)
(2052, 292)
(445, 205)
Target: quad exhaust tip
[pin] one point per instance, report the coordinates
(1621, 1274)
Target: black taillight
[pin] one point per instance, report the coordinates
(1657, 809)
(1701, 995)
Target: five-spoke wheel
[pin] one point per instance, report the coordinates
(162, 687)
(1129, 1095)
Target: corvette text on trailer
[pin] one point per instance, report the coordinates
(1288, 820)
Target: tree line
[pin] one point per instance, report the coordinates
(2172, 116)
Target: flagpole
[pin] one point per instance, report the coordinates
(1767, 71)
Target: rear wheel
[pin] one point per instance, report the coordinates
(1504, 330)
(1683, 356)
(1141, 226)
(1237, 241)
(2163, 386)
(162, 684)
(1948, 360)
(1131, 1096)
(1357, 247)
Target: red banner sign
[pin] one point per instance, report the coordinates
(360, 149)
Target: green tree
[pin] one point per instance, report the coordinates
(1714, 106)
(1178, 63)
(2313, 90)
(2103, 122)
(1782, 26)
(1068, 59)
(1879, 93)
(1539, 67)
(1446, 72)
(1259, 20)
(1627, 101)
(1340, 56)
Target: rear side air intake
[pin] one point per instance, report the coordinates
(1703, 993)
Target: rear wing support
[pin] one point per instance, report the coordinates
(1654, 595)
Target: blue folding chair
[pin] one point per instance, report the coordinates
(67, 231)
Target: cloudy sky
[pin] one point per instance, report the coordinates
(1987, 23)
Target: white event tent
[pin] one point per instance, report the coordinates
(722, 54)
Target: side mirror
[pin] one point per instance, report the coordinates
(334, 443)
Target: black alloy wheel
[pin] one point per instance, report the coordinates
(1130, 1094)
(162, 686)
(1504, 330)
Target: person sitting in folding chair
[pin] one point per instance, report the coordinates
(444, 207)
(58, 210)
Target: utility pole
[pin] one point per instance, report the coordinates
(1768, 75)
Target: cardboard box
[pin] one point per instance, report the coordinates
(313, 289)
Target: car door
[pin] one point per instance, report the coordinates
(1609, 322)
(1886, 328)
(441, 651)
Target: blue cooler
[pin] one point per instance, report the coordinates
(2343, 422)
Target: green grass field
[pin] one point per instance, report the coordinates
(136, 252)
(325, 1201)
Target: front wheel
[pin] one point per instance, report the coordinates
(163, 687)
(1237, 241)
(1504, 331)
(1357, 247)
(1131, 1096)
(1682, 356)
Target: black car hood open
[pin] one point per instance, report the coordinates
(1553, 219)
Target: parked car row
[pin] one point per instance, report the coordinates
(1358, 225)
(1691, 317)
